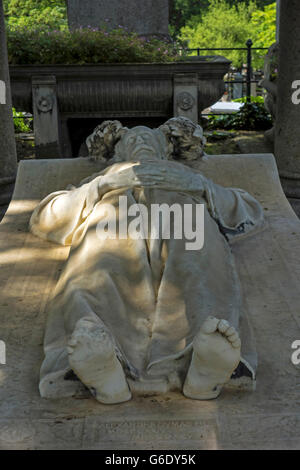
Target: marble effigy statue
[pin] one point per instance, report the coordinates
(138, 314)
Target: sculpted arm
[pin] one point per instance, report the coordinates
(171, 176)
(58, 215)
(235, 210)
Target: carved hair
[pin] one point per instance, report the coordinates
(184, 139)
(101, 143)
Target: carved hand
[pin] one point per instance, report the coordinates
(164, 175)
(151, 174)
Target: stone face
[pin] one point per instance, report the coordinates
(146, 18)
(287, 135)
(8, 158)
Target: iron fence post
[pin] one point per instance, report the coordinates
(249, 44)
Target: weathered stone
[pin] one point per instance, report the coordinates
(129, 92)
(186, 96)
(271, 85)
(145, 18)
(45, 113)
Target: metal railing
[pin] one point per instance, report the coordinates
(249, 75)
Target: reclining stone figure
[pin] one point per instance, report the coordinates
(145, 314)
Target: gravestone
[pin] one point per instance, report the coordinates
(237, 90)
(147, 18)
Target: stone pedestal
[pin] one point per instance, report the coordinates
(46, 120)
(148, 17)
(8, 157)
(287, 131)
(186, 96)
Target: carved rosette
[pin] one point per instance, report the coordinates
(185, 101)
(45, 103)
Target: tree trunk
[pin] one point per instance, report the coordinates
(8, 156)
(287, 130)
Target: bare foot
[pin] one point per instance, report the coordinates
(93, 359)
(217, 350)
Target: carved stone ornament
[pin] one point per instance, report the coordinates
(185, 101)
(45, 103)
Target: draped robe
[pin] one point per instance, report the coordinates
(152, 295)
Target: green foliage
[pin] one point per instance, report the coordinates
(252, 116)
(182, 11)
(30, 13)
(203, 23)
(254, 99)
(225, 25)
(221, 26)
(260, 3)
(21, 125)
(264, 23)
(84, 46)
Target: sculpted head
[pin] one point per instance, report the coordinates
(185, 138)
(141, 142)
(178, 138)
